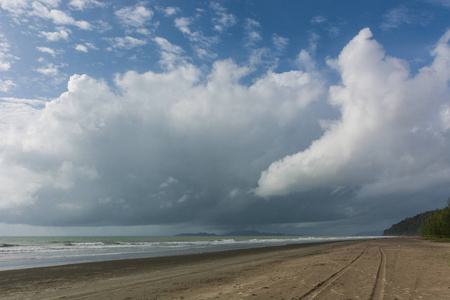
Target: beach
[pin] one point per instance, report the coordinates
(394, 268)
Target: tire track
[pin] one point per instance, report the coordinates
(319, 288)
(378, 289)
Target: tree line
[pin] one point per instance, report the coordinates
(437, 225)
(409, 226)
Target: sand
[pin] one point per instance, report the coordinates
(397, 268)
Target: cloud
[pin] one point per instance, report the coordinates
(84, 4)
(47, 50)
(6, 85)
(32, 102)
(51, 3)
(136, 16)
(127, 42)
(400, 16)
(6, 58)
(16, 7)
(223, 19)
(201, 44)
(45, 9)
(201, 146)
(57, 16)
(62, 34)
(305, 61)
(166, 46)
(83, 25)
(318, 20)
(313, 40)
(252, 36)
(19, 112)
(396, 17)
(49, 69)
(85, 47)
(183, 25)
(81, 48)
(390, 137)
(170, 53)
(171, 11)
(280, 43)
(164, 147)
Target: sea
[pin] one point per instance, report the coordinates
(30, 252)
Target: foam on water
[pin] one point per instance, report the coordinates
(27, 252)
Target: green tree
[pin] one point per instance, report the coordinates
(438, 224)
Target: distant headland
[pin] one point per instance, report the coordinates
(237, 233)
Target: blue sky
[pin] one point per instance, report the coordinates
(115, 37)
(310, 117)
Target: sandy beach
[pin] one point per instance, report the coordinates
(400, 268)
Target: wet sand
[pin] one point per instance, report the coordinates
(400, 268)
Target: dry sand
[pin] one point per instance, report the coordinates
(372, 269)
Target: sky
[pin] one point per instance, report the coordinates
(158, 117)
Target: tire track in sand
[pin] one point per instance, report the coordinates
(378, 289)
(320, 287)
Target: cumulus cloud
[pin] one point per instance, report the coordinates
(166, 147)
(135, 16)
(189, 144)
(57, 16)
(389, 138)
(16, 7)
(47, 50)
(81, 48)
(85, 47)
(61, 34)
(45, 9)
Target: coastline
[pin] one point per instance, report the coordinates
(389, 268)
(32, 252)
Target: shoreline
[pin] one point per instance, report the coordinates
(96, 249)
(165, 260)
(412, 268)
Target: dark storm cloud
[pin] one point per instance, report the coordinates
(174, 147)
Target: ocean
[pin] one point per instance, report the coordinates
(29, 252)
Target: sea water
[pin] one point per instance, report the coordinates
(29, 252)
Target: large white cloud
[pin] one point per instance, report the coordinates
(189, 145)
(101, 155)
(393, 134)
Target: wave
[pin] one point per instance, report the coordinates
(8, 245)
(32, 252)
(85, 244)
